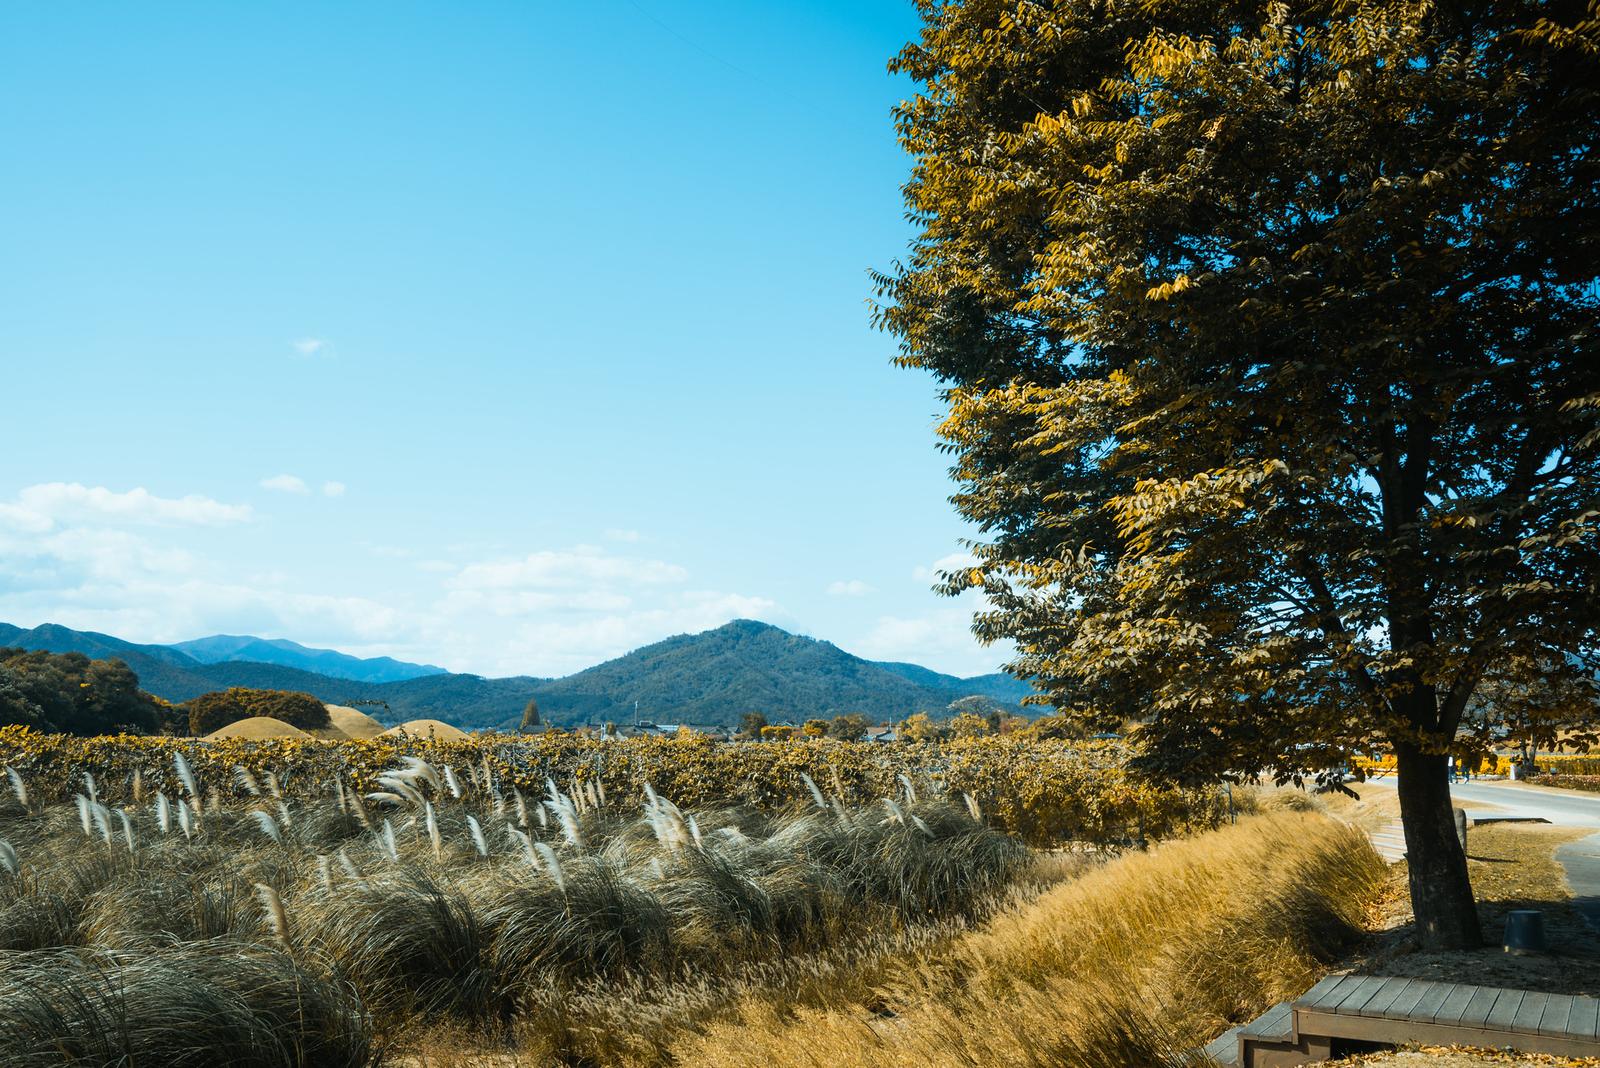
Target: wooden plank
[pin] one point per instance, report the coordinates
(1500, 1014)
(1432, 998)
(1359, 994)
(1315, 1025)
(1557, 1009)
(1276, 1024)
(1528, 1013)
(1476, 1011)
(1404, 1006)
(1318, 995)
(1455, 1004)
(1584, 1018)
(1385, 997)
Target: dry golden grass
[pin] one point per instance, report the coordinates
(258, 728)
(1131, 964)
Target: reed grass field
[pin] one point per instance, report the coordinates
(211, 914)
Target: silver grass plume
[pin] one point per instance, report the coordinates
(397, 784)
(185, 820)
(594, 794)
(650, 799)
(694, 833)
(922, 826)
(522, 839)
(972, 807)
(88, 785)
(137, 786)
(416, 767)
(544, 817)
(433, 831)
(284, 816)
(552, 865)
(499, 806)
(386, 841)
(18, 787)
(896, 814)
(522, 806)
(127, 827)
(8, 859)
(214, 797)
(102, 820)
(84, 817)
(600, 788)
(268, 825)
(163, 813)
(324, 871)
(338, 793)
(349, 867)
(567, 815)
(273, 786)
(276, 916)
(476, 831)
(453, 783)
(816, 794)
(246, 781)
(911, 791)
(185, 774)
(360, 809)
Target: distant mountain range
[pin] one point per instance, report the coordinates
(225, 647)
(714, 677)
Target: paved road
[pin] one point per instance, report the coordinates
(1581, 859)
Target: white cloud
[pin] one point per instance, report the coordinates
(941, 639)
(333, 489)
(627, 536)
(585, 566)
(40, 508)
(311, 346)
(850, 588)
(950, 562)
(285, 484)
(70, 557)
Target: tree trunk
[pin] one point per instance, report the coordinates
(1441, 895)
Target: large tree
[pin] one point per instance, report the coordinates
(1268, 334)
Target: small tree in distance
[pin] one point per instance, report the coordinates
(849, 727)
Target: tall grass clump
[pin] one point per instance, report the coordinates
(1136, 962)
(290, 929)
(183, 1005)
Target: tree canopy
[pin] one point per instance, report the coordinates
(67, 693)
(1269, 339)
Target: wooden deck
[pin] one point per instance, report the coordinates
(1350, 1009)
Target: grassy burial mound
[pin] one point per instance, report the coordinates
(435, 730)
(257, 728)
(347, 722)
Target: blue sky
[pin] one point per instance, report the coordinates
(508, 336)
